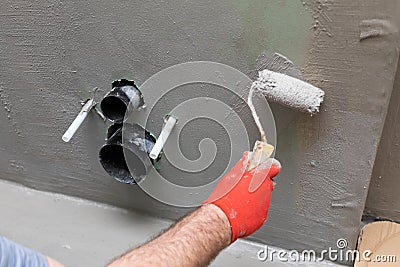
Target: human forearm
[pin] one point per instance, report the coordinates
(237, 208)
(193, 241)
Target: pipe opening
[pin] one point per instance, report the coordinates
(113, 108)
(113, 160)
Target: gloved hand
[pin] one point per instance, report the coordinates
(244, 196)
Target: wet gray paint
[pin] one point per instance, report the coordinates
(275, 62)
(52, 52)
(383, 196)
(372, 28)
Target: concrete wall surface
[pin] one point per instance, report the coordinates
(383, 196)
(53, 52)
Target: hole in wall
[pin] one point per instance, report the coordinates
(112, 158)
(113, 108)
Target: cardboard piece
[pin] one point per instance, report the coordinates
(382, 239)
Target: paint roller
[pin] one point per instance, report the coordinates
(287, 91)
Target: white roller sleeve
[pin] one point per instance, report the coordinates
(166, 130)
(289, 91)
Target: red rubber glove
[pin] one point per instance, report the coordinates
(244, 196)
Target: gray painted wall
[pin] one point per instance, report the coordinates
(383, 195)
(53, 52)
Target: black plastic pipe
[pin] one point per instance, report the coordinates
(125, 157)
(115, 104)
